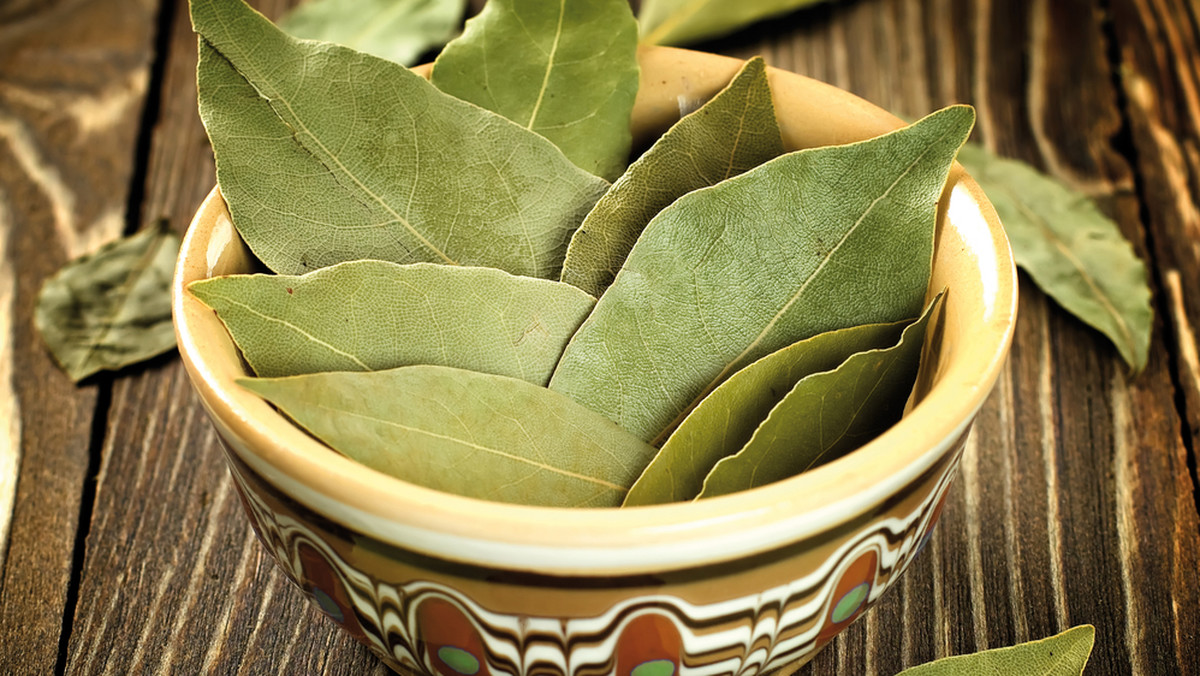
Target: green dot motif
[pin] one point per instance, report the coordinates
(851, 602)
(654, 668)
(458, 659)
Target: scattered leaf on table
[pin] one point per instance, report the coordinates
(325, 155)
(826, 415)
(372, 315)
(678, 22)
(1074, 253)
(112, 308)
(473, 434)
(733, 133)
(567, 70)
(396, 30)
(725, 420)
(1065, 654)
(804, 244)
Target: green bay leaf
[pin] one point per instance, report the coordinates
(725, 420)
(566, 69)
(809, 242)
(111, 308)
(1064, 654)
(826, 415)
(678, 22)
(374, 315)
(474, 434)
(396, 30)
(325, 154)
(1074, 253)
(732, 133)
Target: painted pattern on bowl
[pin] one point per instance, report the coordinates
(419, 613)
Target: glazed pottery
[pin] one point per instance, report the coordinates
(740, 584)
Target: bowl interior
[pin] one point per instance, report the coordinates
(964, 355)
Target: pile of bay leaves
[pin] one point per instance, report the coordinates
(461, 299)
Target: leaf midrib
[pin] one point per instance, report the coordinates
(135, 273)
(537, 106)
(297, 329)
(731, 365)
(333, 157)
(477, 447)
(1066, 252)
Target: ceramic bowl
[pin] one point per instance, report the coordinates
(739, 584)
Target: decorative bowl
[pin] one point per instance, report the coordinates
(442, 584)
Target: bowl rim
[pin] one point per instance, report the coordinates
(606, 541)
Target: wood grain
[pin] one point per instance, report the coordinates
(72, 81)
(1158, 44)
(1076, 500)
(173, 574)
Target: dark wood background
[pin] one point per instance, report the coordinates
(123, 548)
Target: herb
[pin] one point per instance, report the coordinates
(396, 30)
(826, 415)
(1065, 654)
(1070, 249)
(325, 156)
(570, 76)
(725, 420)
(112, 308)
(373, 315)
(732, 273)
(678, 22)
(721, 252)
(474, 434)
(732, 133)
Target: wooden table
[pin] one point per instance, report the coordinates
(123, 548)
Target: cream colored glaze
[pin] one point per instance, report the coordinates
(972, 259)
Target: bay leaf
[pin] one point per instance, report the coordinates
(1071, 250)
(725, 420)
(374, 315)
(826, 415)
(326, 155)
(812, 241)
(567, 70)
(1064, 654)
(396, 30)
(732, 133)
(112, 308)
(474, 434)
(679, 22)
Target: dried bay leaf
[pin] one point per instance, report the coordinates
(826, 415)
(1074, 253)
(474, 434)
(725, 420)
(374, 315)
(678, 22)
(567, 70)
(325, 155)
(801, 245)
(396, 30)
(112, 308)
(1064, 654)
(732, 133)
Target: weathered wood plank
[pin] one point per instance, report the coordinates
(173, 575)
(72, 82)
(1158, 44)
